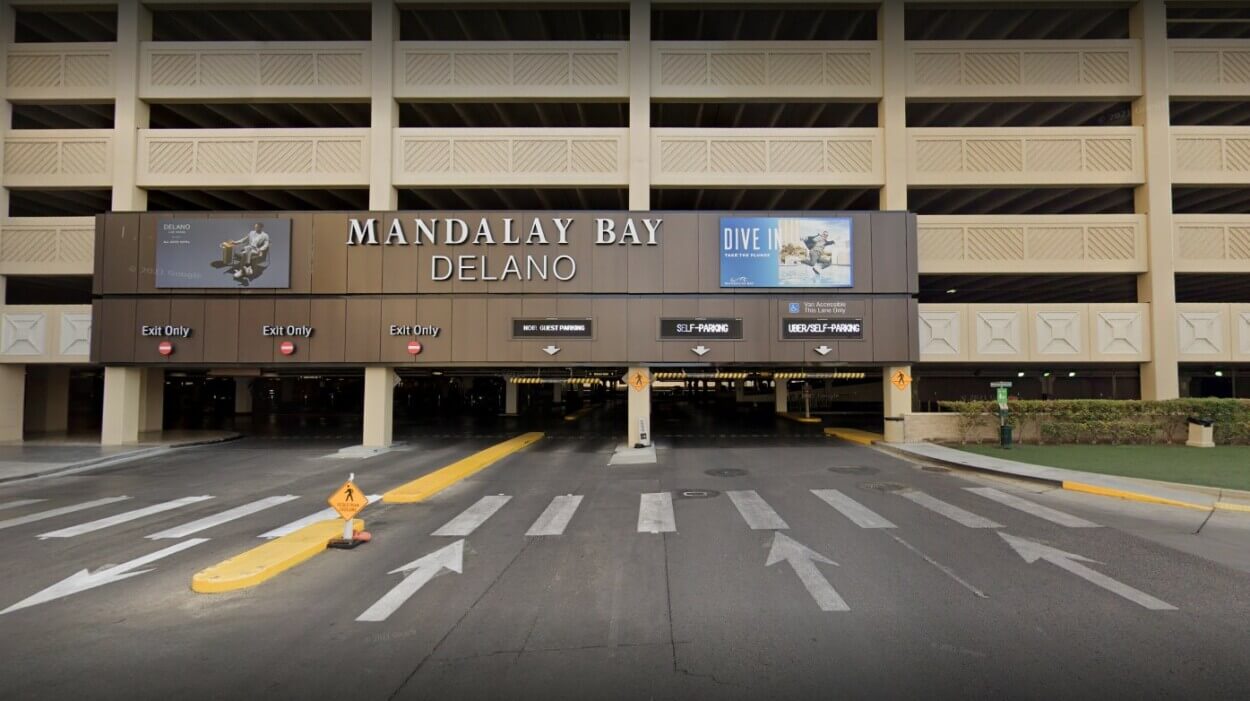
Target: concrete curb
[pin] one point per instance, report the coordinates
(854, 435)
(1071, 480)
(99, 463)
(264, 562)
(799, 419)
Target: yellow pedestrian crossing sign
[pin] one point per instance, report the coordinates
(638, 381)
(348, 500)
(901, 380)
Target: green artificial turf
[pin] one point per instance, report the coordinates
(1221, 466)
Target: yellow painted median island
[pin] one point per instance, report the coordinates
(427, 486)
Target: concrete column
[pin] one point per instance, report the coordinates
(130, 114)
(380, 384)
(47, 402)
(12, 393)
(892, 115)
(639, 105)
(123, 405)
(509, 398)
(1159, 377)
(897, 402)
(152, 417)
(557, 393)
(639, 428)
(7, 22)
(740, 390)
(781, 402)
(242, 395)
(385, 111)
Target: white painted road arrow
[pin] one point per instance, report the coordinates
(803, 561)
(551, 350)
(1033, 551)
(417, 574)
(823, 350)
(700, 350)
(84, 580)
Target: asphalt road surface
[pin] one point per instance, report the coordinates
(579, 581)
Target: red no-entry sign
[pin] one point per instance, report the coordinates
(286, 348)
(414, 348)
(165, 348)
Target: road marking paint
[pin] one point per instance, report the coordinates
(226, 516)
(945, 570)
(427, 486)
(83, 580)
(53, 513)
(803, 561)
(655, 513)
(954, 513)
(266, 561)
(417, 574)
(19, 502)
(1028, 507)
(1032, 551)
(756, 512)
(556, 517)
(326, 513)
(472, 517)
(99, 524)
(859, 514)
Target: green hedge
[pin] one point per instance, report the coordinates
(1107, 420)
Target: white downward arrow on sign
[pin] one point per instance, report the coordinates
(84, 580)
(700, 350)
(1033, 551)
(823, 350)
(417, 574)
(551, 350)
(803, 561)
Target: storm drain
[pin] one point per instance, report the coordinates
(883, 486)
(726, 472)
(854, 470)
(696, 493)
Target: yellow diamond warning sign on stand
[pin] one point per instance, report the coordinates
(638, 381)
(348, 500)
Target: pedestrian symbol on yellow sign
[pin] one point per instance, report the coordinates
(901, 379)
(639, 381)
(347, 500)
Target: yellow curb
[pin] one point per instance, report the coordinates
(800, 419)
(1232, 506)
(1131, 496)
(249, 568)
(854, 435)
(579, 413)
(435, 482)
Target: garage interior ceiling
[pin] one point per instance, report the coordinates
(1020, 200)
(1028, 289)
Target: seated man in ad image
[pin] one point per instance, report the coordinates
(253, 247)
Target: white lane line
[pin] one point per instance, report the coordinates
(53, 513)
(945, 570)
(472, 517)
(556, 517)
(756, 512)
(217, 519)
(859, 514)
(125, 517)
(324, 514)
(20, 502)
(655, 513)
(954, 513)
(1028, 507)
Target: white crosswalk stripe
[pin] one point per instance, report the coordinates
(19, 502)
(121, 518)
(468, 521)
(217, 519)
(61, 511)
(954, 513)
(323, 515)
(556, 517)
(858, 514)
(756, 512)
(655, 513)
(1028, 507)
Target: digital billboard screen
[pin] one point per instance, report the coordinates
(228, 253)
(786, 252)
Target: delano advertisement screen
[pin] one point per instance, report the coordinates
(786, 252)
(227, 253)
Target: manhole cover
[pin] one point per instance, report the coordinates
(854, 470)
(934, 468)
(697, 493)
(726, 472)
(883, 486)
